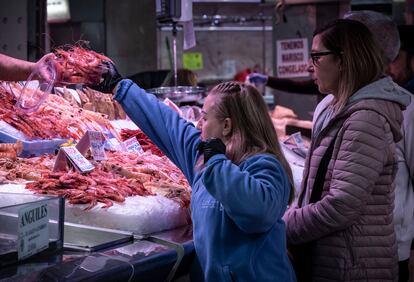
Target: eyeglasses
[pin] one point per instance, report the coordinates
(316, 56)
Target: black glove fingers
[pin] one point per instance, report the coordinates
(110, 78)
(212, 147)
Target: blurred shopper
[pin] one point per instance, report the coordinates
(409, 12)
(241, 182)
(402, 72)
(185, 77)
(385, 34)
(12, 69)
(402, 68)
(343, 225)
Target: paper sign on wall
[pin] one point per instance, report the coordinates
(292, 57)
(193, 61)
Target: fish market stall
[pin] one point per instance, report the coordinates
(126, 211)
(112, 211)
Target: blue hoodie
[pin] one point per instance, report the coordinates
(239, 234)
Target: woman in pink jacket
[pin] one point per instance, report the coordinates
(343, 224)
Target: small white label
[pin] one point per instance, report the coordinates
(32, 230)
(295, 140)
(112, 144)
(132, 145)
(96, 141)
(77, 159)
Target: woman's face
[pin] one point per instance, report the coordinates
(209, 124)
(324, 67)
(402, 68)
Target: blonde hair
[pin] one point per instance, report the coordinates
(252, 129)
(361, 57)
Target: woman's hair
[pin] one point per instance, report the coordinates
(252, 129)
(361, 58)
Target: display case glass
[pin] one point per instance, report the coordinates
(30, 225)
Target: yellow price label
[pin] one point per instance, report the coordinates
(193, 61)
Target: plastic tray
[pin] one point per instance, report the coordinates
(31, 148)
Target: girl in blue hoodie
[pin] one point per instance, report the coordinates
(241, 182)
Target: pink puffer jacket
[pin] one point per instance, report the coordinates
(352, 225)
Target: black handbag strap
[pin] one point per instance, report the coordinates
(320, 174)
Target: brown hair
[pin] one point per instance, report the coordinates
(361, 60)
(252, 128)
(185, 77)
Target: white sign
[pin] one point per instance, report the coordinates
(112, 144)
(292, 57)
(32, 230)
(96, 140)
(132, 145)
(77, 159)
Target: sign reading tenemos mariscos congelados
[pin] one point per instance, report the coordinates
(292, 57)
(33, 230)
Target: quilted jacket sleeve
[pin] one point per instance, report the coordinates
(363, 146)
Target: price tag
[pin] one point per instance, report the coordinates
(132, 145)
(295, 143)
(295, 139)
(112, 144)
(77, 159)
(96, 141)
(32, 230)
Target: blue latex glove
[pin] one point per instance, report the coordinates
(211, 147)
(257, 79)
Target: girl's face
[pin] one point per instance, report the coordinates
(324, 67)
(209, 124)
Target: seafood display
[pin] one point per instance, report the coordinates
(22, 170)
(56, 117)
(143, 140)
(93, 100)
(157, 174)
(80, 65)
(96, 186)
(122, 175)
(143, 192)
(10, 150)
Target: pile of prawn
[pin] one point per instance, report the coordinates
(56, 117)
(96, 186)
(80, 65)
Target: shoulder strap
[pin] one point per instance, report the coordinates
(320, 174)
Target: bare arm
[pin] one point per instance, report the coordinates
(13, 69)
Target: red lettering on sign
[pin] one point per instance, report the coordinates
(292, 69)
(292, 57)
(292, 45)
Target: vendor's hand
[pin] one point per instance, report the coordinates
(110, 78)
(256, 79)
(46, 68)
(211, 147)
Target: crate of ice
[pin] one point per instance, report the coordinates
(31, 148)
